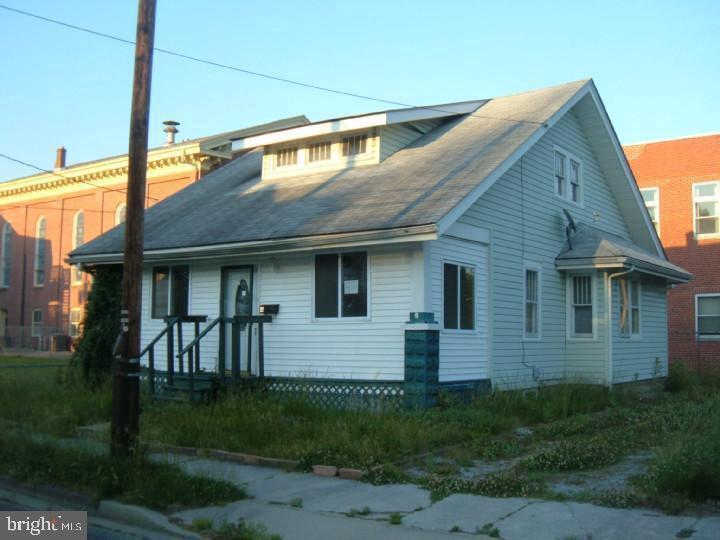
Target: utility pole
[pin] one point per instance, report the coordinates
(126, 369)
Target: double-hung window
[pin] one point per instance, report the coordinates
(651, 196)
(629, 291)
(6, 260)
(75, 320)
(532, 303)
(707, 315)
(341, 285)
(706, 203)
(581, 306)
(568, 176)
(170, 291)
(458, 297)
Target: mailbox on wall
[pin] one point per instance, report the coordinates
(269, 309)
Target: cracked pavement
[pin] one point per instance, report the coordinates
(329, 509)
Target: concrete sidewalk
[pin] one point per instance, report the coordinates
(328, 508)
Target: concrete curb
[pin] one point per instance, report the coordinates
(141, 517)
(224, 455)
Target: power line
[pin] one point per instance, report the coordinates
(21, 162)
(255, 73)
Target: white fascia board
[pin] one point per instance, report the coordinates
(264, 247)
(454, 214)
(355, 123)
(626, 169)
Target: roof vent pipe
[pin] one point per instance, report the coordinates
(60, 158)
(171, 130)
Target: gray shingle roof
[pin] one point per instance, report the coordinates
(591, 246)
(417, 185)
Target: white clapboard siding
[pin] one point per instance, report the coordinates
(526, 224)
(644, 356)
(463, 353)
(295, 344)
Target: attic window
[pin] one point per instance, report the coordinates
(568, 176)
(354, 145)
(319, 151)
(286, 156)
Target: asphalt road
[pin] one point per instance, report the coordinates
(99, 529)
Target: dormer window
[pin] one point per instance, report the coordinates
(354, 145)
(286, 156)
(319, 151)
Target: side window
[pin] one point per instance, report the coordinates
(581, 306)
(170, 291)
(36, 330)
(341, 285)
(568, 176)
(707, 316)
(532, 303)
(6, 260)
(629, 292)
(458, 297)
(40, 235)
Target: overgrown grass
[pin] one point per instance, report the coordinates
(47, 399)
(134, 480)
(294, 429)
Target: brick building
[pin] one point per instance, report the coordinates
(44, 216)
(680, 182)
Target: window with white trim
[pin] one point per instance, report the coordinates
(78, 239)
(581, 306)
(286, 157)
(40, 239)
(629, 293)
(354, 145)
(532, 303)
(651, 196)
(6, 257)
(568, 176)
(36, 328)
(321, 151)
(458, 297)
(706, 208)
(341, 285)
(120, 213)
(170, 291)
(707, 315)
(75, 321)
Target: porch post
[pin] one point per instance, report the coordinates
(422, 361)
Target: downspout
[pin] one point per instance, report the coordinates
(608, 319)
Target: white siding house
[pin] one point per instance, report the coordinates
(503, 223)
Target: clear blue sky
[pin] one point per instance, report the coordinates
(656, 64)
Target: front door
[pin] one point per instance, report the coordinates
(237, 299)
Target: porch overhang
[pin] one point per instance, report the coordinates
(592, 248)
(671, 275)
(419, 233)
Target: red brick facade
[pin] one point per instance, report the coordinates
(674, 167)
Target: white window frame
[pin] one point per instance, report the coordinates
(630, 284)
(36, 261)
(474, 268)
(567, 195)
(34, 325)
(533, 267)
(77, 274)
(75, 324)
(289, 149)
(120, 209)
(570, 312)
(705, 337)
(715, 199)
(340, 318)
(308, 149)
(170, 289)
(655, 205)
(6, 255)
(362, 154)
